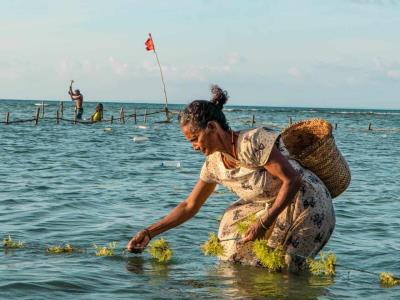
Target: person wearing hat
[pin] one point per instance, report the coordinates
(285, 203)
(78, 98)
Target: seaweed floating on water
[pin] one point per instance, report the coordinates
(325, 265)
(212, 247)
(272, 259)
(109, 250)
(244, 225)
(11, 244)
(67, 248)
(160, 250)
(388, 279)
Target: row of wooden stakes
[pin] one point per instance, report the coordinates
(335, 125)
(122, 117)
(60, 116)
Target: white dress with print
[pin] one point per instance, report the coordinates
(303, 227)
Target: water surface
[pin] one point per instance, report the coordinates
(83, 185)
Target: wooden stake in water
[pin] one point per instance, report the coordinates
(167, 118)
(58, 116)
(134, 116)
(370, 126)
(145, 116)
(7, 117)
(42, 109)
(112, 119)
(122, 115)
(253, 121)
(290, 121)
(62, 109)
(37, 115)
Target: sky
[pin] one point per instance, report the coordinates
(342, 53)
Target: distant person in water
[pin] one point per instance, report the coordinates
(98, 114)
(78, 98)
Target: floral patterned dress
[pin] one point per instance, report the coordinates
(302, 228)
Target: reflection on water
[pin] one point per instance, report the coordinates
(159, 270)
(135, 265)
(246, 281)
(227, 280)
(154, 269)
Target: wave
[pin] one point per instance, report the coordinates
(363, 113)
(319, 111)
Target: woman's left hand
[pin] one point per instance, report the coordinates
(255, 231)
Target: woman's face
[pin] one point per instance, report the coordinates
(201, 139)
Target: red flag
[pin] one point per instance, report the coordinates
(149, 44)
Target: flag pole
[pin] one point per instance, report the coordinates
(162, 77)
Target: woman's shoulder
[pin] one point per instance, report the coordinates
(213, 159)
(255, 145)
(257, 135)
(211, 168)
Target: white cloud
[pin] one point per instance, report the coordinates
(295, 73)
(11, 70)
(390, 69)
(149, 67)
(117, 66)
(95, 68)
(393, 74)
(234, 58)
(194, 71)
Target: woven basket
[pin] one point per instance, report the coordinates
(311, 143)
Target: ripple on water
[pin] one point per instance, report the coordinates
(82, 185)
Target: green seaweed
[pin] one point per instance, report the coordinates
(67, 248)
(160, 250)
(272, 259)
(388, 279)
(109, 250)
(212, 247)
(326, 265)
(9, 243)
(243, 226)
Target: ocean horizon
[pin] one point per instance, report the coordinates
(183, 103)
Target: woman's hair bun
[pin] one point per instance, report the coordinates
(219, 96)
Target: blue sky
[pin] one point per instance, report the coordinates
(278, 53)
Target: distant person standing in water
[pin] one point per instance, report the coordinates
(98, 114)
(78, 98)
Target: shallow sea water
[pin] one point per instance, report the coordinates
(83, 185)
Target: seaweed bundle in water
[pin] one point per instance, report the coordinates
(9, 243)
(160, 250)
(212, 247)
(272, 259)
(67, 248)
(388, 279)
(109, 250)
(326, 265)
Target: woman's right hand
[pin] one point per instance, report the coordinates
(138, 242)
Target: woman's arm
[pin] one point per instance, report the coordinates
(278, 166)
(180, 214)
